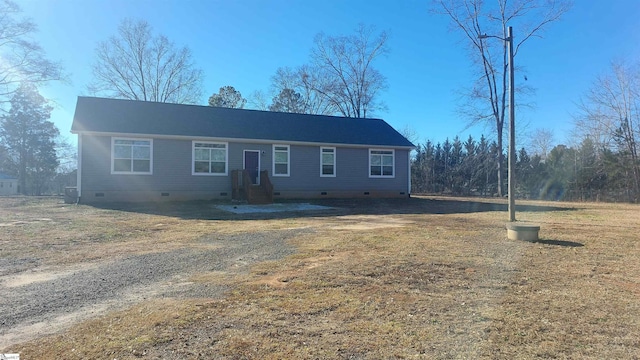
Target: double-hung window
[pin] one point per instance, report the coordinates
(281, 160)
(381, 163)
(131, 156)
(209, 158)
(328, 161)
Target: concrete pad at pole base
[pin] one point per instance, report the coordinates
(522, 231)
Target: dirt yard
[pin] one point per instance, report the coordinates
(427, 277)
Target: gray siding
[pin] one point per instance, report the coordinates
(171, 169)
(172, 173)
(352, 172)
(8, 186)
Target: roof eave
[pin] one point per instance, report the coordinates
(228, 139)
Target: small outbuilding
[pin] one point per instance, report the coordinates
(8, 185)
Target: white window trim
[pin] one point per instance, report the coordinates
(193, 158)
(393, 154)
(334, 161)
(273, 160)
(150, 172)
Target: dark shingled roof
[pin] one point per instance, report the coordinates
(153, 118)
(7, 177)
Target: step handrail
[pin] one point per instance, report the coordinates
(266, 184)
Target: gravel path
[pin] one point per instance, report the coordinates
(131, 279)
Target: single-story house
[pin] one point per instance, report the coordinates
(135, 150)
(8, 185)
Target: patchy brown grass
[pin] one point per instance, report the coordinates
(57, 234)
(425, 278)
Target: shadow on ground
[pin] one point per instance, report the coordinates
(560, 243)
(206, 210)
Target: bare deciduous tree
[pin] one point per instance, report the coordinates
(22, 60)
(542, 141)
(258, 100)
(306, 81)
(487, 99)
(610, 115)
(347, 62)
(410, 133)
(67, 155)
(611, 98)
(137, 65)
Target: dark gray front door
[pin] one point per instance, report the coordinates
(252, 164)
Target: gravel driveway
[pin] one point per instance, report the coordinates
(40, 306)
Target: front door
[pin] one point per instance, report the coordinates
(252, 165)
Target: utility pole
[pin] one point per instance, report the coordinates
(512, 131)
(512, 128)
(515, 230)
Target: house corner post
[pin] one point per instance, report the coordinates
(409, 175)
(79, 168)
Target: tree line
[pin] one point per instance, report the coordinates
(586, 172)
(340, 78)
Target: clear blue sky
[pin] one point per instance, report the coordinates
(242, 42)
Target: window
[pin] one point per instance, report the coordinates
(209, 158)
(280, 160)
(381, 163)
(327, 161)
(131, 156)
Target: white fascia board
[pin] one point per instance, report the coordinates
(249, 140)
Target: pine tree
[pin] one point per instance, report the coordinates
(30, 139)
